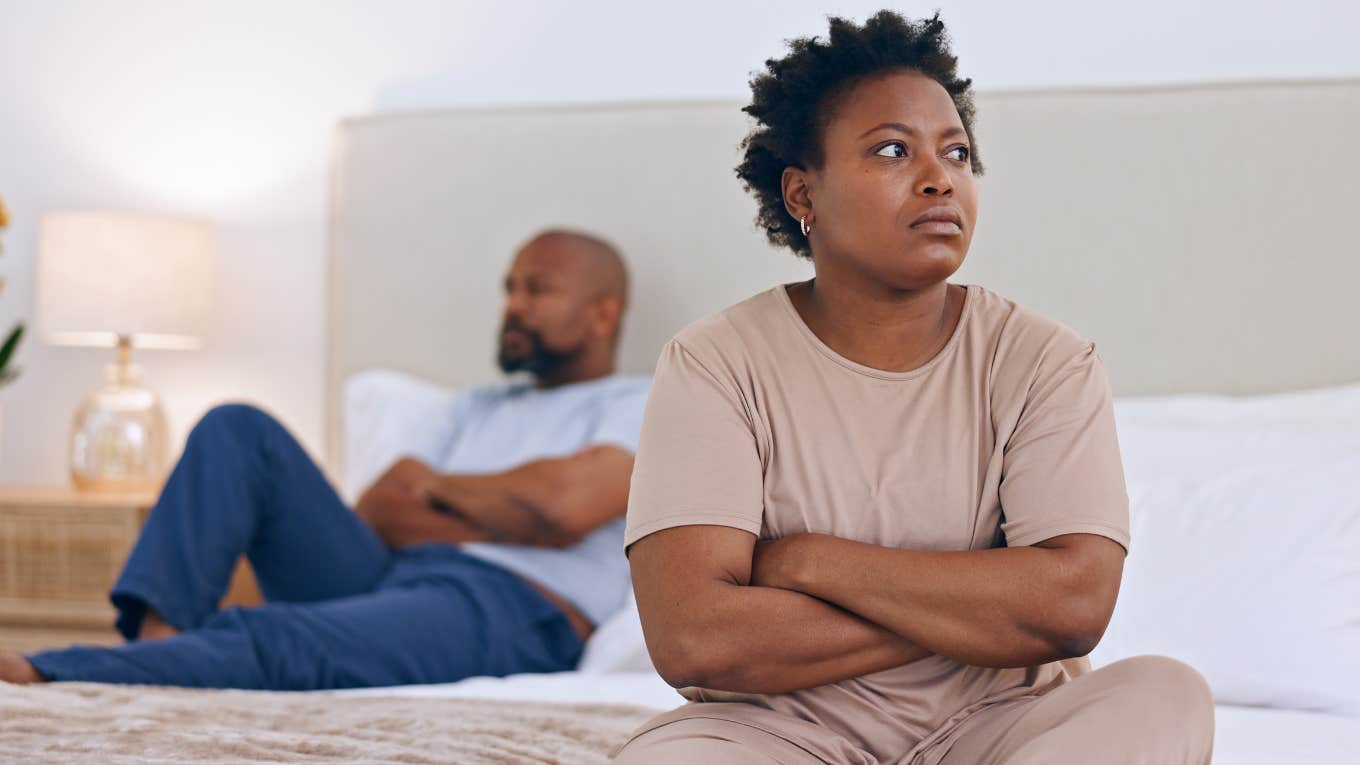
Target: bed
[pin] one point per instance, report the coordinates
(1131, 214)
(1148, 219)
(570, 717)
(1271, 616)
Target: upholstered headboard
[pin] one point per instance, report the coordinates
(1204, 236)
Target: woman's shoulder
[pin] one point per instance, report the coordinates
(732, 330)
(1025, 338)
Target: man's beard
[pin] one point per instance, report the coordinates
(539, 360)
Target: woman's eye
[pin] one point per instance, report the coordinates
(895, 150)
(959, 153)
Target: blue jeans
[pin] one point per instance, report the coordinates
(343, 610)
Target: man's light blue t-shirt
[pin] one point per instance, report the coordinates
(502, 425)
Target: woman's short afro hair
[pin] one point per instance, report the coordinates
(792, 101)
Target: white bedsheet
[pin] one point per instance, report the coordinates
(644, 688)
(1258, 736)
(1244, 735)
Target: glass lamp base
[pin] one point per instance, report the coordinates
(118, 437)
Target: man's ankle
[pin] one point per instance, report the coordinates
(17, 669)
(154, 627)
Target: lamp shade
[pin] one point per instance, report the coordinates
(106, 275)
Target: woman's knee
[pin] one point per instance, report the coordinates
(1172, 692)
(710, 741)
(1163, 677)
(667, 748)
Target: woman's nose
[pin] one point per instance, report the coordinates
(934, 182)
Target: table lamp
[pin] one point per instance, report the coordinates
(119, 280)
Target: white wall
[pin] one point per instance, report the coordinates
(226, 111)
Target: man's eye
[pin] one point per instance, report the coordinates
(894, 150)
(959, 153)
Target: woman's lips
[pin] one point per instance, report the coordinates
(940, 227)
(942, 220)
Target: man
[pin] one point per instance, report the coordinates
(500, 562)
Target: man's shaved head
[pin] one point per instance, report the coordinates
(599, 261)
(566, 293)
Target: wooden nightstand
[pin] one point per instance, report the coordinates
(60, 552)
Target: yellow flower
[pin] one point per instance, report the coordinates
(4, 215)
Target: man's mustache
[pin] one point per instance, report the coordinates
(518, 326)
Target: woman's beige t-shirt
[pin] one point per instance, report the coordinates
(1005, 438)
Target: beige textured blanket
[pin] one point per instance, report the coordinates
(91, 722)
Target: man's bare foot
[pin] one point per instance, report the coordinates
(16, 669)
(155, 628)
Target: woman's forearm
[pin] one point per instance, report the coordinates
(1007, 607)
(767, 640)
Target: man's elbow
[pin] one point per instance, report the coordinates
(546, 522)
(582, 492)
(559, 528)
(560, 540)
(571, 518)
(559, 510)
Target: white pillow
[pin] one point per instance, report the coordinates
(1245, 559)
(388, 415)
(1335, 409)
(617, 645)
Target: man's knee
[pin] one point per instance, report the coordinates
(232, 420)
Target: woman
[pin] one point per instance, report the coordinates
(877, 517)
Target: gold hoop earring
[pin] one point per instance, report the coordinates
(802, 224)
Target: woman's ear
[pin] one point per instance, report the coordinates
(793, 189)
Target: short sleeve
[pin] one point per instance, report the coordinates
(621, 421)
(697, 462)
(1061, 470)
